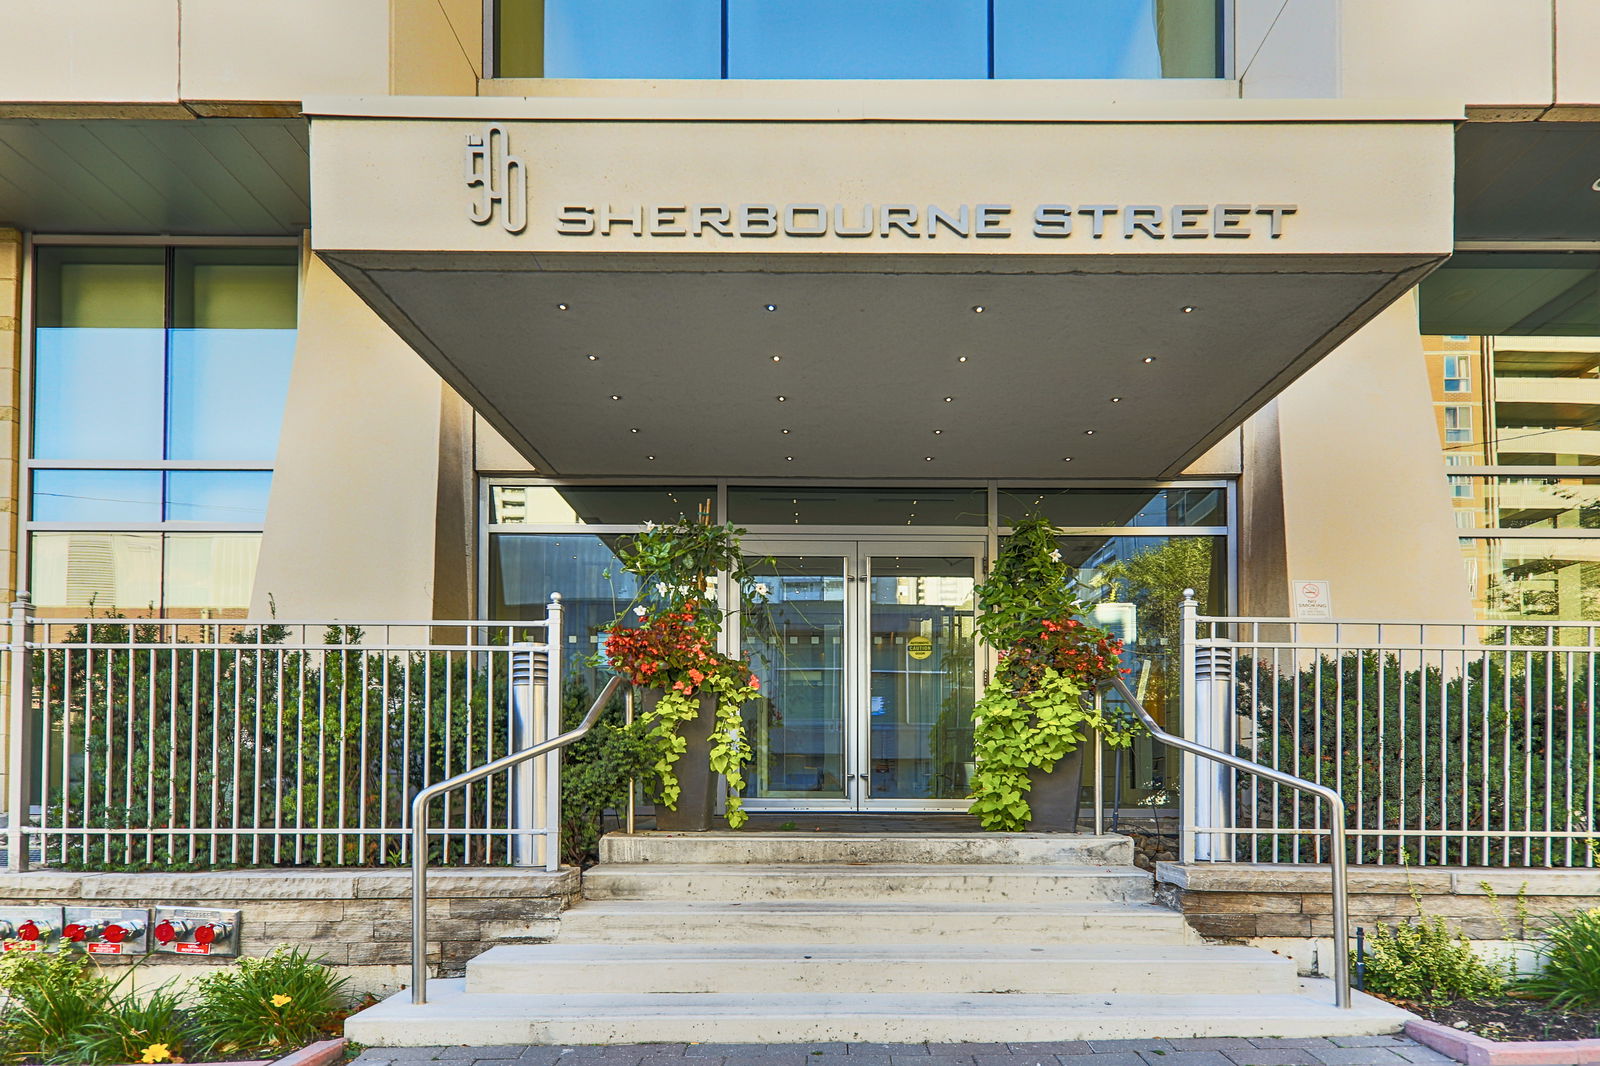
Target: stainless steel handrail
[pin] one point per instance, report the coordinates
(1336, 840)
(419, 828)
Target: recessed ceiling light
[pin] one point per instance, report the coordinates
(937, 432)
(1149, 358)
(651, 458)
(1188, 309)
(772, 307)
(961, 359)
(614, 396)
(978, 309)
(1066, 459)
(592, 358)
(561, 307)
(788, 458)
(777, 359)
(1088, 433)
(633, 431)
(786, 431)
(1116, 399)
(927, 458)
(781, 399)
(949, 399)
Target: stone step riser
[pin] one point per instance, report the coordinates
(453, 1018)
(1044, 848)
(802, 884)
(788, 974)
(907, 929)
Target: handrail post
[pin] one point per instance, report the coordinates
(633, 783)
(419, 897)
(1341, 899)
(554, 652)
(19, 768)
(1188, 785)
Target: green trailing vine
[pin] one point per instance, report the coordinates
(1037, 710)
(667, 640)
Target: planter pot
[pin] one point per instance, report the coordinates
(1054, 795)
(697, 798)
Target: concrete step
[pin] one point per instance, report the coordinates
(857, 921)
(751, 847)
(453, 1016)
(759, 969)
(972, 882)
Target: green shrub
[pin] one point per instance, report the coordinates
(1571, 974)
(128, 1028)
(51, 998)
(1423, 961)
(268, 1005)
(596, 770)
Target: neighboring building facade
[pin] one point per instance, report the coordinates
(401, 309)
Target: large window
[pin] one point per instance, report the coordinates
(1135, 549)
(159, 380)
(803, 39)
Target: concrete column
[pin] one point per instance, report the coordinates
(10, 443)
(352, 521)
(1345, 482)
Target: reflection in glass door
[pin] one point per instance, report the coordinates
(867, 658)
(918, 740)
(795, 644)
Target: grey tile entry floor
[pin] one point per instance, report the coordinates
(1209, 1051)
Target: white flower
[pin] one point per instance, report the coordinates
(711, 593)
(761, 589)
(1055, 556)
(648, 526)
(661, 588)
(639, 611)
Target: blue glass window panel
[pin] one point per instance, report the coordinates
(227, 393)
(1076, 39)
(856, 39)
(230, 497)
(632, 39)
(97, 496)
(97, 393)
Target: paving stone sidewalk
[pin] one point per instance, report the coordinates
(1211, 1051)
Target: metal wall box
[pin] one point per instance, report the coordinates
(195, 931)
(30, 928)
(106, 930)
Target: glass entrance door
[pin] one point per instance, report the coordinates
(868, 664)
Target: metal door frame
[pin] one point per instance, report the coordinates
(857, 550)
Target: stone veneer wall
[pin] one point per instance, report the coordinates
(1250, 901)
(356, 918)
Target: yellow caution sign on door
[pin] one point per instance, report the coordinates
(919, 647)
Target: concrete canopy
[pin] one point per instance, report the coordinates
(652, 349)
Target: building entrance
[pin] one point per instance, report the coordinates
(869, 668)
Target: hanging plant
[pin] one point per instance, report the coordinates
(1037, 709)
(667, 641)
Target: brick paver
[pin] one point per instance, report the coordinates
(1207, 1051)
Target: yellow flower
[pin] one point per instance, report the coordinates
(157, 1053)
(281, 1000)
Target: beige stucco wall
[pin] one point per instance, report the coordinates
(351, 521)
(1577, 52)
(242, 50)
(160, 52)
(1356, 494)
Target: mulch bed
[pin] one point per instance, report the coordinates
(1511, 1019)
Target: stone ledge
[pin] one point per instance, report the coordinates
(1378, 880)
(288, 884)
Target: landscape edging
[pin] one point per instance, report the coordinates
(1475, 1050)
